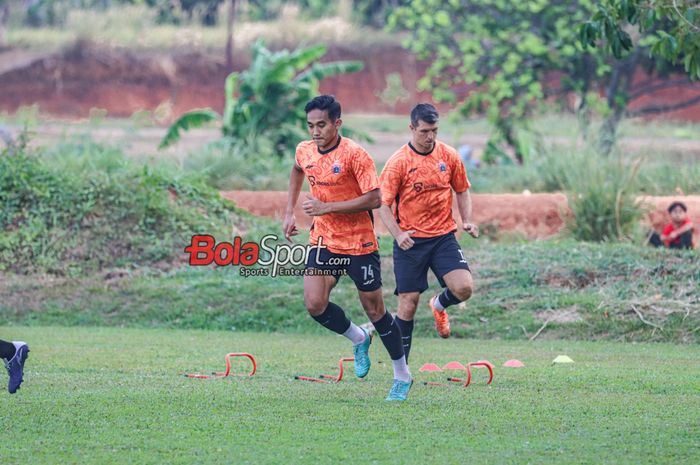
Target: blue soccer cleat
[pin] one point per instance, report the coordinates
(15, 366)
(361, 354)
(399, 391)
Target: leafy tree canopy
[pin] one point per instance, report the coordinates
(507, 59)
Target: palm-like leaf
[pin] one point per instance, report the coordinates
(266, 101)
(321, 71)
(191, 119)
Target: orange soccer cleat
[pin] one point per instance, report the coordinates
(442, 320)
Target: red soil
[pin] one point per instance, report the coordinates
(534, 216)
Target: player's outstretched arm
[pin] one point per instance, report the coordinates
(296, 179)
(464, 204)
(367, 201)
(403, 238)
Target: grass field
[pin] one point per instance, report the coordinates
(112, 396)
(569, 289)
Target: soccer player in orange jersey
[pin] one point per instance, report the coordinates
(419, 179)
(344, 191)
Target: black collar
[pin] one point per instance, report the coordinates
(425, 154)
(324, 152)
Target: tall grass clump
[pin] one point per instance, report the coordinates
(667, 178)
(230, 164)
(602, 193)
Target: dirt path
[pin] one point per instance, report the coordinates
(144, 140)
(533, 216)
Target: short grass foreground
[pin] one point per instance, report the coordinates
(109, 395)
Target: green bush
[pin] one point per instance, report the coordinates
(81, 207)
(267, 100)
(602, 195)
(228, 164)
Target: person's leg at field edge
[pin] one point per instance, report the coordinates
(458, 288)
(7, 350)
(390, 334)
(317, 290)
(14, 354)
(408, 303)
(388, 330)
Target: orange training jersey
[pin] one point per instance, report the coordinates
(342, 173)
(421, 185)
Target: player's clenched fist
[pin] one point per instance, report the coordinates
(289, 227)
(313, 207)
(471, 229)
(404, 239)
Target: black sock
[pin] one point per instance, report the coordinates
(333, 318)
(406, 328)
(7, 350)
(447, 298)
(390, 334)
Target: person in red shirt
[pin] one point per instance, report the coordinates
(678, 234)
(418, 181)
(344, 191)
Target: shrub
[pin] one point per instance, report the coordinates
(602, 195)
(81, 207)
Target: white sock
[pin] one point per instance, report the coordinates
(401, 371)
(17, 345)
(437, 304)
(355, 334)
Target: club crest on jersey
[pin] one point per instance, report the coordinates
(442, 166)
(336, 168)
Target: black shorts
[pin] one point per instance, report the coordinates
(441, 254)
(364, 270)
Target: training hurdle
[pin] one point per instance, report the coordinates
(224, 374)
(467, 381)
(328, 378)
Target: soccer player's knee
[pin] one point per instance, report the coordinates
(375, 313)
(463, 291)
(315, 305)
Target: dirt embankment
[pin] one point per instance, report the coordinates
(70, 83)
(533, 216)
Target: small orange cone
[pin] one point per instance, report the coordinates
(430, 367)
(454, 366)
(513, 363)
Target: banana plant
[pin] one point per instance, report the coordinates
(267, 100)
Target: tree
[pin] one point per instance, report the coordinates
(176, 11)
(673, 28)
(375, 12)
(667, 31)
(516, 56)
(229, 34)
(267, 100)
(4, 15)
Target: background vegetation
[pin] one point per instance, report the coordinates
(93, 235)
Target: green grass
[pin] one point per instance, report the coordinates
(552, 124)
(114, 396)
(580, 290)
(135, 27)
(80, 207)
